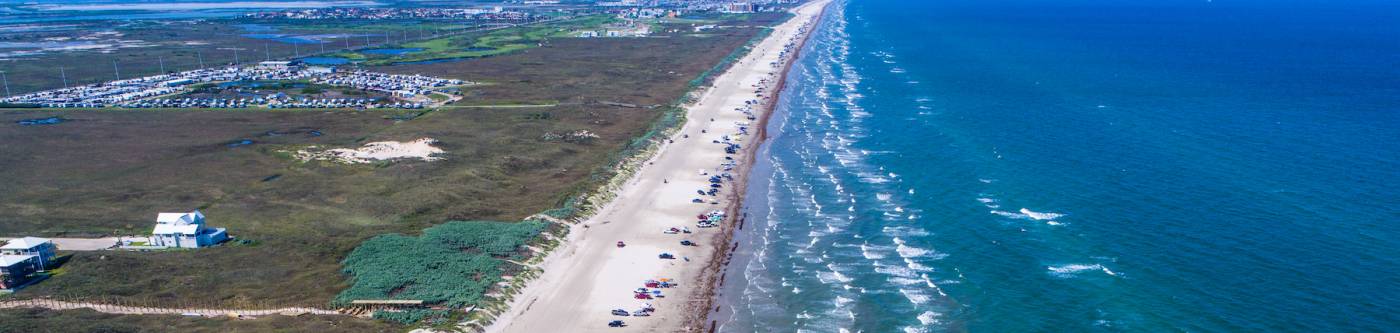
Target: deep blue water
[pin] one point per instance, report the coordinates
(128, 16)
(325, 60)
(1065, 166)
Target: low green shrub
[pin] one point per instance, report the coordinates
(409, 316)
(452, 264)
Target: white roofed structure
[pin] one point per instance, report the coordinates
(24, 243)
(195, 217)
(7, 260)
(185, 230)
(43, 249)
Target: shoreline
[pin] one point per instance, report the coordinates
(587, 276)
(725, 246)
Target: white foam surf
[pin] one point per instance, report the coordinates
(1071, 270)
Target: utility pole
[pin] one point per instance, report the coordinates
(117, 71)
(297, 49)
(64, 75)
(235, 56)
(347, 42)
(162, 64)
(267, 51)
(201, 58)
(7, 83)
(323, 45)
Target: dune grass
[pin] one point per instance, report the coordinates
(109, 171)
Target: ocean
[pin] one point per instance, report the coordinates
(1072, 165)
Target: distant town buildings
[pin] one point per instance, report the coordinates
(623, 3)
(739, 7)
(630, 28)
(276, 65)
(159, 91)
(673, 8)
(185, 230)
(495, 13)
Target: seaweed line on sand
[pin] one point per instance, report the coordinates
(718, 264)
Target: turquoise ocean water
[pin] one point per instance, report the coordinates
(1067, 166)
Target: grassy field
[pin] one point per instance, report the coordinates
(412, 27)
(482, 44)
(180, 46)
(292, 89)
(49, 321)
(110, 172)
(105, 172)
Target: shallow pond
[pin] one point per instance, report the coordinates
(280, 38)
(41, 121)
(325, 61)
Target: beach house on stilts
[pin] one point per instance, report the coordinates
(185, 230)
(20, 258)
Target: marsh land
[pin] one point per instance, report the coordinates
(105, 172)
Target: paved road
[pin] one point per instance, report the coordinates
(84, 244)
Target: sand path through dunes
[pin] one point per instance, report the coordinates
(143, 310)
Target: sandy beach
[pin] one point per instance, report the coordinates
(590, 275)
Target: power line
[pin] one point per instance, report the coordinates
(7, 83)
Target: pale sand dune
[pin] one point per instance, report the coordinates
(421, 149)
(589, 275)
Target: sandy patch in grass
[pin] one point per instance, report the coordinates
(421, 149)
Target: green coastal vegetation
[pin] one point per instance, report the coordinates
(452, 264)
(322, 234)
(87, 320)
(481, 44)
